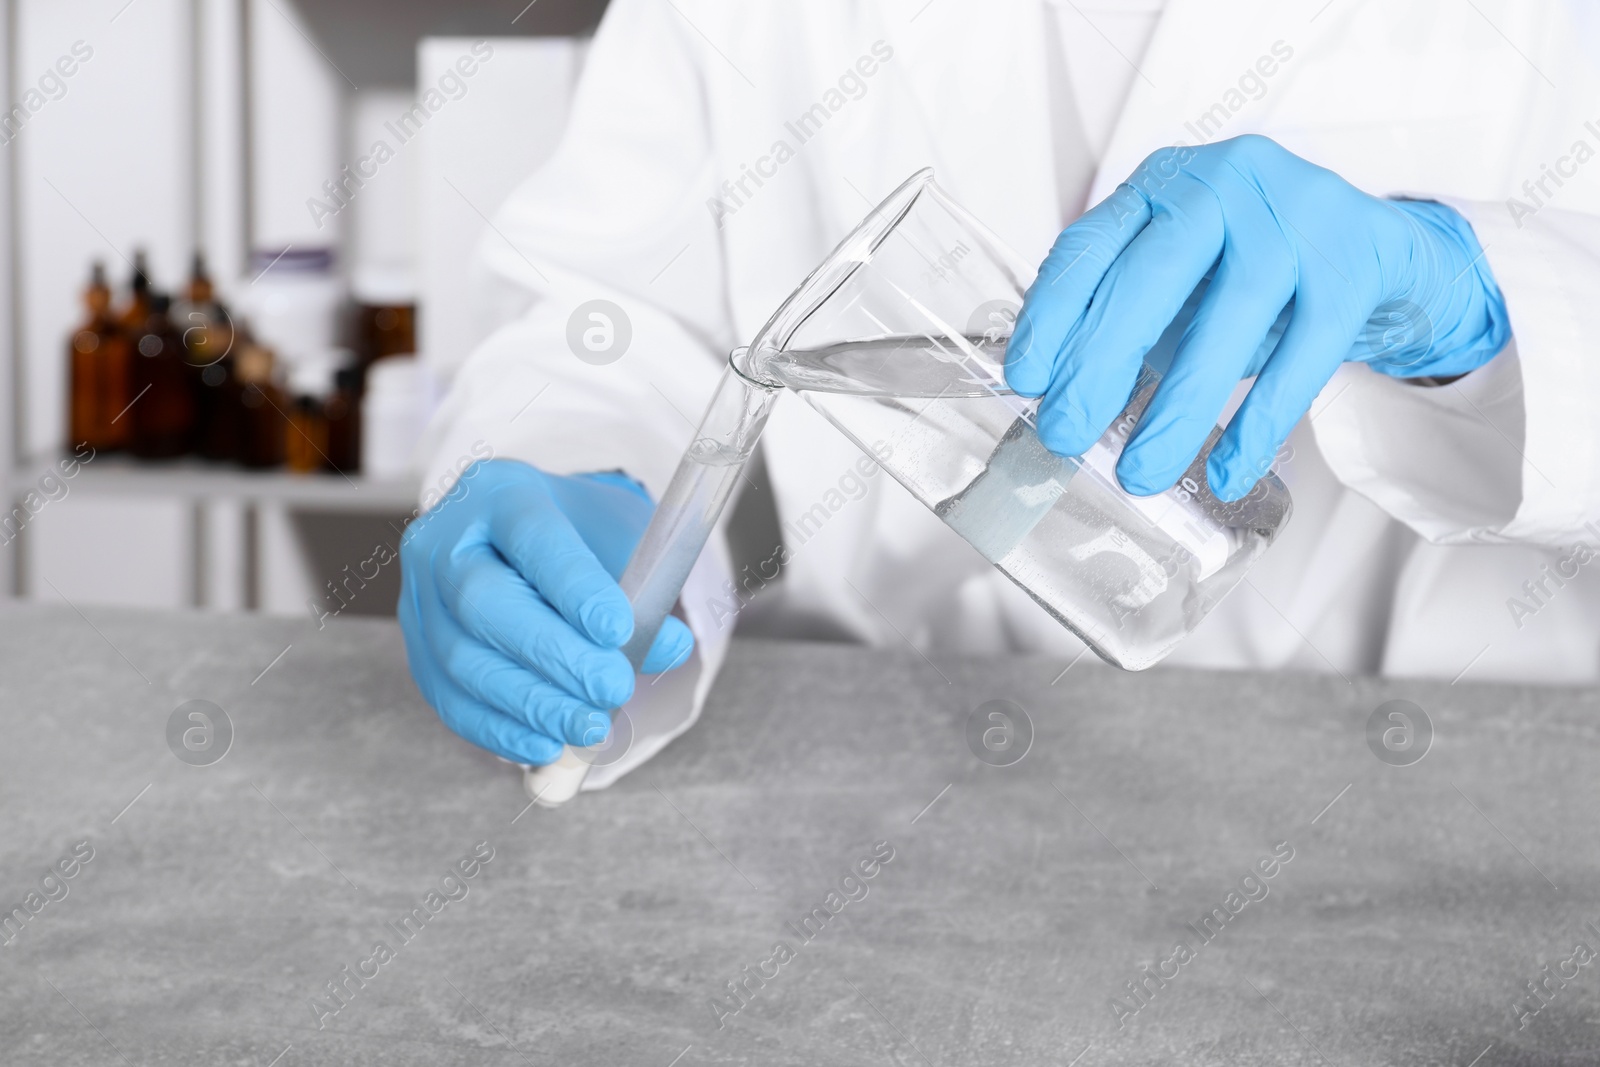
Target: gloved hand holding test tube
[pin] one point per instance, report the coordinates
(678, 531)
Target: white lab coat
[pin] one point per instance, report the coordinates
(1420, 512)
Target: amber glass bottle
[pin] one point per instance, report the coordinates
(99, 374)
(199, 291)
(205, 324)
(307, 442)
(343, 412)
(217, 410)
(385, 330)
(163, 387)
(208, 341)
(263, 418)
(133, 316)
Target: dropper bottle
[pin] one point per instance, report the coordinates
(133, 316)
(98, 372)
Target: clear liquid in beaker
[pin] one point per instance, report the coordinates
(1130, 575)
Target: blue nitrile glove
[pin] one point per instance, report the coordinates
(1401, 285)
(512, 617)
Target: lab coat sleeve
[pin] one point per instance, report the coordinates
(618, 216)
(1511, 452)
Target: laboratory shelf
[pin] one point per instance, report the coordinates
(197, 480)
(188, 533)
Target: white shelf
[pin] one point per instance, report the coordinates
(187, 533)
(199, 481)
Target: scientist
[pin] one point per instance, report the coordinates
(1414, 179)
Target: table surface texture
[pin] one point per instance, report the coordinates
(713, 908)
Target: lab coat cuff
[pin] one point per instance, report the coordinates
(1547, 265)
(665, 705)
(1510, 453)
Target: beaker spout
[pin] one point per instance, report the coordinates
(754, 366)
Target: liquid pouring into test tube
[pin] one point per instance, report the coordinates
(898, 339)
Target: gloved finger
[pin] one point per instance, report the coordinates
(670, 649)
(473, 720)
(1254, 280)
(465, 715)
(414, 631)
(1312, 348)
(1136, 301)
(1066, 282)
(541, 543)
(626, 501)
(492, 679)
(493, 603)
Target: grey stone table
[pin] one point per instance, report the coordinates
(210, 906)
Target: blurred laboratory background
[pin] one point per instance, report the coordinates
(239, 235)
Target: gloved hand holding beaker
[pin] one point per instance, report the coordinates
(1401, 285)
(512, 616)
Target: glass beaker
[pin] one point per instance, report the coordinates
(900, 336)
